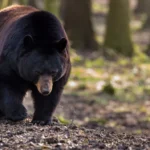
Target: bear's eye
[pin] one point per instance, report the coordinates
(61, 45)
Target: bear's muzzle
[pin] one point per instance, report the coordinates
(45, 84)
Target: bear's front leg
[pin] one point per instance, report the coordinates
(1, 115)
(45, 105)
(11, 103)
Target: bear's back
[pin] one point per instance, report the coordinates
(12, 13)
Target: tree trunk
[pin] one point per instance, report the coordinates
(63, 3)
(141, 6)
(51, 6)
(147, 7)
(1, 3)
(6, 3)
(78, 24)
(117, 34)
(21, 2)
(32, 3)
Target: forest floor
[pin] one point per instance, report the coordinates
(89, 125)
(26, 136)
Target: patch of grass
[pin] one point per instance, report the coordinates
(95, 63)
(139, 56)
(63, 120)
(124, 62)
(99, 121)
(75, 58)
(146, 119)
(126, 79)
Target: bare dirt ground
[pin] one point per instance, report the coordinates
(27, 136)
(89, 135)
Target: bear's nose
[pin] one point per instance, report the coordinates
(45, 92)
(45, 89)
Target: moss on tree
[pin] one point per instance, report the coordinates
(117, 34)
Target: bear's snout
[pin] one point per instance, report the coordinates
(44, 84)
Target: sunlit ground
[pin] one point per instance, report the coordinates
(115, 90)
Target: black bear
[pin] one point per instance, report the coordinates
(33, 56)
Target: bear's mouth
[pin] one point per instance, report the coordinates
(45, 84)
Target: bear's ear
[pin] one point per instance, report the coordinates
(61, 45)
(28, 41)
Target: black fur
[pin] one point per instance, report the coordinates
(32, 43)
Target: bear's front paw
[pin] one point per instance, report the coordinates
(42, 122)
(17, 114)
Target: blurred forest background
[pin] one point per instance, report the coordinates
(110, 49)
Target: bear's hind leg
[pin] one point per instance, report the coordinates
(11, 103)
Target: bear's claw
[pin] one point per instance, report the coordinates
(42, 122)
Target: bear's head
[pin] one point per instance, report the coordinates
(37, 49)
(42, 63)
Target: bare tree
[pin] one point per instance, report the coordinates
(78, 24)
(117, 34)
(141, 6)
(6, 3)
(147, 11)
(32, 3)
